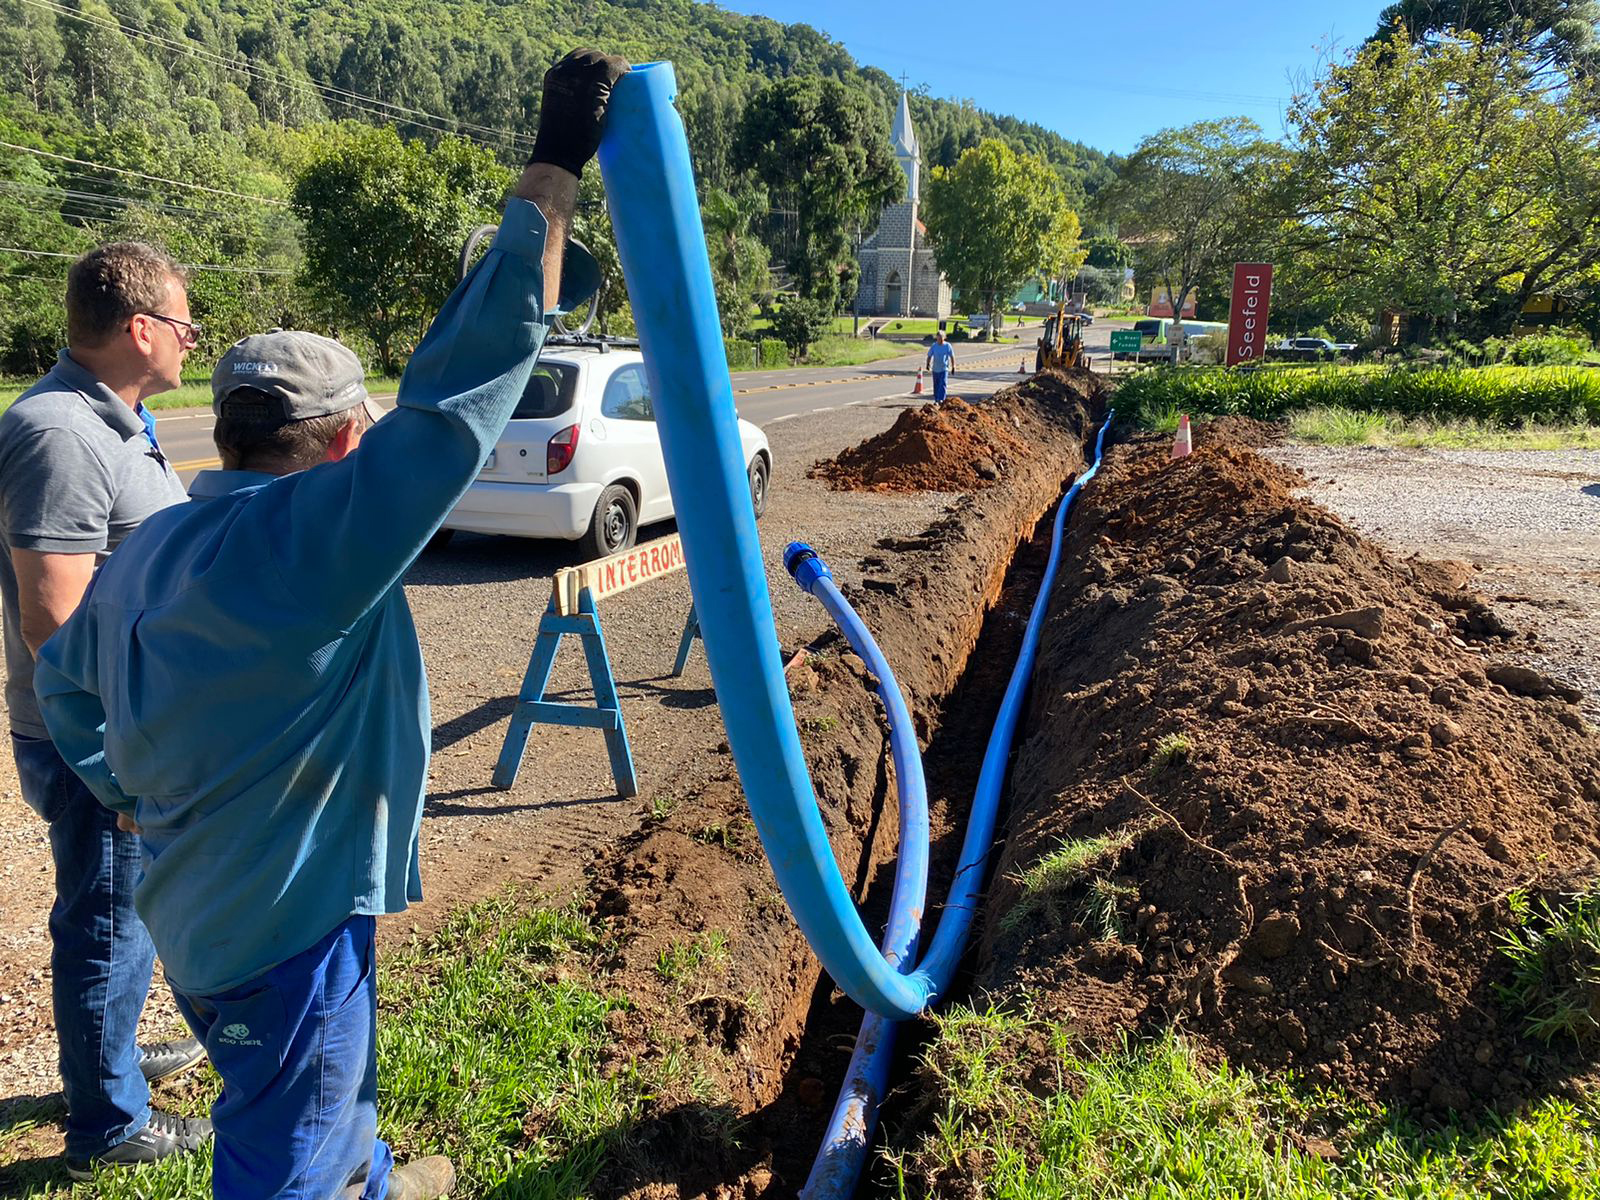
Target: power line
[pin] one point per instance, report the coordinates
(40, 191)
(351, 99)
(199, 187)
(185, 266)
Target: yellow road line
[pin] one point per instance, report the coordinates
(196, 464)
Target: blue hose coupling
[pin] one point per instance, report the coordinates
(806, 565)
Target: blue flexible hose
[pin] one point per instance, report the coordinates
(644, 161)
(910, 895)
(848, 1138)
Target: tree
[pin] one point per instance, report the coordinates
(1445, 182)
(822, 151)
(1190, 199)
(738, 258)
(799, 323)
(31, 43)
(1108, 252)
(1555, 32)
(996, 219)
(384, 223)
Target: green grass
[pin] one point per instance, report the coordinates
(490, 1050)
(1153, 1123)
(1555, 963)
(1170, 750)
(1336, 426)
(832, 351)
(1502, 397)
(686, 959)
(1046, 884)
(195, 393)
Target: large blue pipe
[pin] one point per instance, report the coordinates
(848, 1138)
(644, 160)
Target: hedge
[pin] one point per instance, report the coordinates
(768, 352)
(1494, 395)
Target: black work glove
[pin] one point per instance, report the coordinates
(572, 113)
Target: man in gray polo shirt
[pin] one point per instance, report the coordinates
(80, 467)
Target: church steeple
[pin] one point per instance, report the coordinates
(906, 148)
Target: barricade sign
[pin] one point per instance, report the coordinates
(571, 610)
(608, 576)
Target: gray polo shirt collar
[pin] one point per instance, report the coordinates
(209, 485)
(106, 404)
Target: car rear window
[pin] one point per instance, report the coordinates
(1151, 327)
(549, 393)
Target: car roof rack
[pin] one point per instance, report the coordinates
(602, 344)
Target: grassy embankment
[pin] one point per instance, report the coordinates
(494, 1048)
(1154, 1123)
(1495, 408)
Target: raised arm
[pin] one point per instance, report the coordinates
(356, 525)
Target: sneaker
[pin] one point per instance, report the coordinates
(422, 1179)
(163, 1136)
(162, 1060)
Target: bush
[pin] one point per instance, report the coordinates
(799, 323)
(1502, 396)
(746, 353)
(1547, 349)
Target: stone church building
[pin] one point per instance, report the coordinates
(899, 277)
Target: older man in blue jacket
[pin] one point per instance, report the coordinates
(243, 683)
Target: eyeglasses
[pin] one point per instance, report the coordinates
(189, 331)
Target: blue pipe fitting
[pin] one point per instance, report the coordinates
(644, 162)
(806, 565)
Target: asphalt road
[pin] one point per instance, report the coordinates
(762, 397)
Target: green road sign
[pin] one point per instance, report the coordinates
(1126, 341)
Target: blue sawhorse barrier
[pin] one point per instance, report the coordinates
(533, 709)
(691, 633)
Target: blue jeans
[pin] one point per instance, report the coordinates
(100, 954)
(939, 378)
(297, 1052)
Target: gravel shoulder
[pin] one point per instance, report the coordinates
(1527, 520)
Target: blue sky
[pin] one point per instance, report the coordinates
(1102, 74)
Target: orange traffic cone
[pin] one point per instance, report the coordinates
(917, 391)
(1184, 442)
(1022, 367)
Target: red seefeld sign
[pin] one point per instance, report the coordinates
(1247, 313)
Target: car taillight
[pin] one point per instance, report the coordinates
(558, 454)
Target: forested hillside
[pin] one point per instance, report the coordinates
(186, 121)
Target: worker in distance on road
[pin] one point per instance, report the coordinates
(941, 361)
(253, 661)
(80, 467)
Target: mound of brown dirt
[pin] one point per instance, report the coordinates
(1317, 879)
(948, 447)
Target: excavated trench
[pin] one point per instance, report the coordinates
(759, 1030)
(1316, 880)
(795, 1121)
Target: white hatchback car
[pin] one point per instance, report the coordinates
(580, 457)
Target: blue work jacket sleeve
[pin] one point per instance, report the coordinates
(350, 529)
(65, 680)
